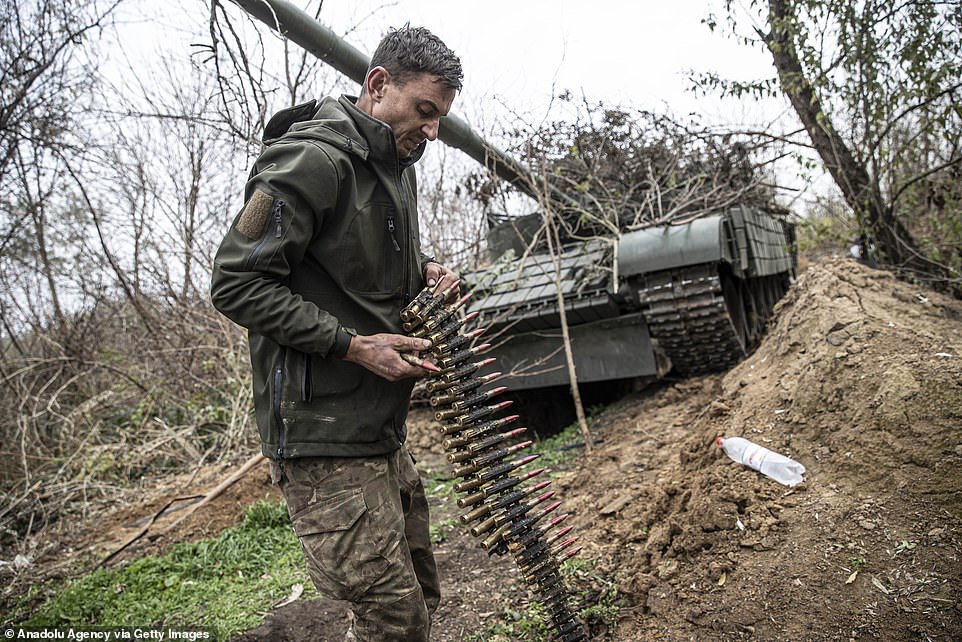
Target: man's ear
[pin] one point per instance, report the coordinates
(377, 79)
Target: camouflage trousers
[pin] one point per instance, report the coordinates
(363, 524)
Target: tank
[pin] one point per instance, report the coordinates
(692, 296)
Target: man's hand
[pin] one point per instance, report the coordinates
(437, 274)
(392, 356)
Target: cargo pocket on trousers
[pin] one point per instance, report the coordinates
(342, 550)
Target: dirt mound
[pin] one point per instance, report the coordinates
(860, 379)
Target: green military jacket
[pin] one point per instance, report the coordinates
(327, 244)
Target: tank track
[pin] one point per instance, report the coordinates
(706, 319)
(505, 512)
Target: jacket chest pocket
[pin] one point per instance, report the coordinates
(373, 251)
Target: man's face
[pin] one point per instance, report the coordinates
(412, 110)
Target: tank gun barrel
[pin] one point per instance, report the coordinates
(319, 40)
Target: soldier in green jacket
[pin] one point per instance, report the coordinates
(317, 266)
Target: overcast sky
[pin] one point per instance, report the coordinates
(517, 55)
(520, 53)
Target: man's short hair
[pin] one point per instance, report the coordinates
(409, 50)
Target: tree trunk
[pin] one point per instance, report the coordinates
(861, 191)
(554, 248)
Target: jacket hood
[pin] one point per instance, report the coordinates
(340, 123)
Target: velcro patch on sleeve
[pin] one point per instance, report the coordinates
(256, 213)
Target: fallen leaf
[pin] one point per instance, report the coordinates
(851, 578)
(296, 591)
(878, 584)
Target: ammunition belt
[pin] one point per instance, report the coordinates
(508, 513)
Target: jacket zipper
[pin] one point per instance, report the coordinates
(392, 229)
(278, 229)
(276, 406)
(307, 387)
(405, 287)
(389, 262)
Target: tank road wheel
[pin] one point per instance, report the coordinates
(698, 316)
(756, 306)
(733, 292)
(769, 290)
(774, 294)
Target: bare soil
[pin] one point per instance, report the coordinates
(859, 377)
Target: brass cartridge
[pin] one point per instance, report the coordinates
(427, 324)
(461, 390)
(494, 539)
(472, 449)
(493, 473)
(502, 501)
(477, 414)
(455, 375)
(414, 309)
(456, 342)
(487, 459)
(457, 358)
(470, 433)
(426, 302)
(496, 487)
(510, 515)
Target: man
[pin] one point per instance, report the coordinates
(317, 266)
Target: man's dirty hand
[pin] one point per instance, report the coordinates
(391, 356)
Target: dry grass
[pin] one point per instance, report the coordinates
(90, 412)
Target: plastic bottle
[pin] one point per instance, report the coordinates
(771, 464)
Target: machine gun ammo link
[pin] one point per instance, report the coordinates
(472, 449)
(488, 458)
(493, 473)
(499, 486)
(459, 391)
(456, 342)
(421, 325)
(457, 358)
(477, 399)
(470, 433)
(426, 302)
(493, 491)
(509, 515)
(531, 537)
(463, 405)
(469, 418)
(502, 501)
(450, 328)
(454, 376)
